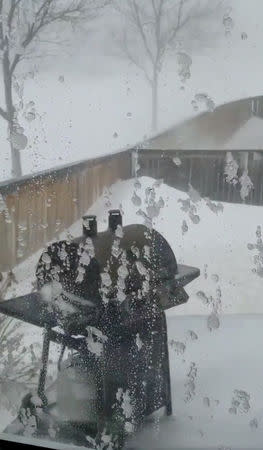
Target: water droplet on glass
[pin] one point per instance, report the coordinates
(215, 278)
(213, 322)
(194, 218)
(246, 185)
(190, 383)
(119, 232)
(153, 211)
(158, 183)
(136, 200)
(203, 297)
(184, 227)
(210, 104)
(177, 161)
(194, 105)
(30, 116)
(192, 335)
(139, 342)
(228, 24)
(178, 347)
(137, 184)
(19, 141)
(205, 99)
(201, 97)
(184, 62)
(46, 258)
(193, 194)
(160, 203)
(206, 402)
(253, 424)
(240, 402)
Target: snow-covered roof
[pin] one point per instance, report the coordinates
(248, 137)
(212, 130)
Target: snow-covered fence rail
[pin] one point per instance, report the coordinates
(35, 209)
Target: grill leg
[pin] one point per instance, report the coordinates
(169, 409)
(43, 372)
(61, 356)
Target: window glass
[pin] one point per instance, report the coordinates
(131, 193)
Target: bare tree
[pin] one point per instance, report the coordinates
(151, 29)
(21, 24)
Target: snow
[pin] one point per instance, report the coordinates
(219, 241)
(216, 243)
(249, 136)
(228, 369)
(214, 338)
(93, 103)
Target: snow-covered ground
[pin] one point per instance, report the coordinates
(216, 368)
(223, 362)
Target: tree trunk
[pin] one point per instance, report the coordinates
(16, 160)
(155, 102)
(15, 154)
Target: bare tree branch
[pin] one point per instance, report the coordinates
(19, 27)
(154, 8)
(13, 5)
(16, 60)
(141, 30)
(45, 17)
(180, 12)
(132, 59)
(1, 25)
(153, 26)
(42, 7)
(158, 16)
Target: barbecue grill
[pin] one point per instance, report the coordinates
(102, 297)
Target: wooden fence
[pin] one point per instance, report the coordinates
(204, 170)
(34, 209)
